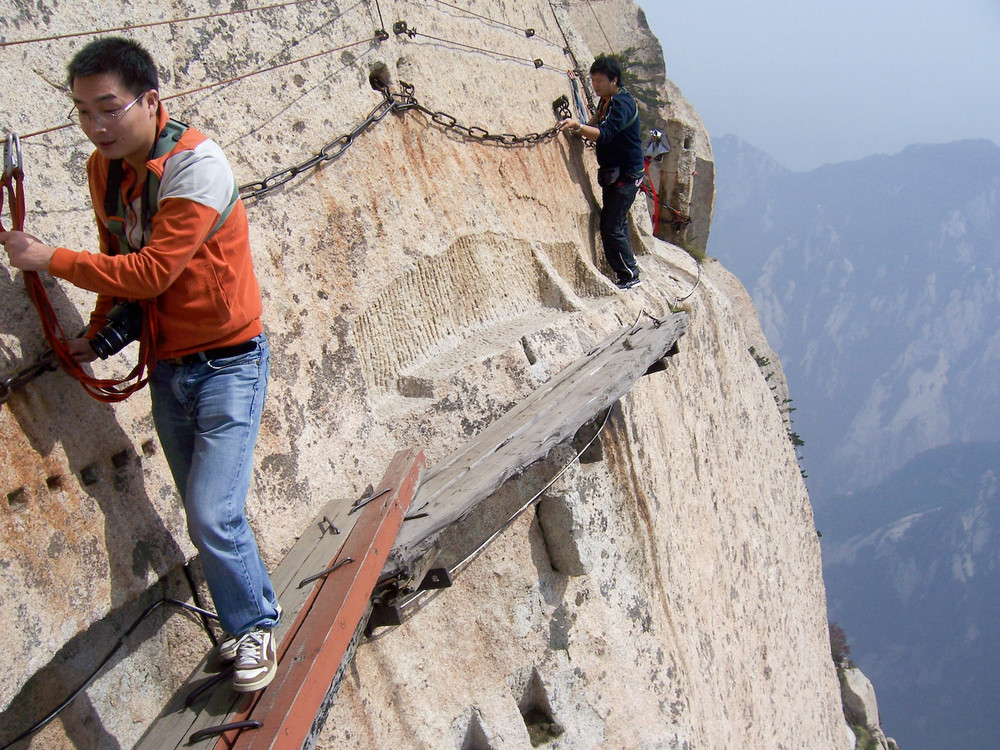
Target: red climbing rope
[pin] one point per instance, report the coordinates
(651, 191)
(102, 389)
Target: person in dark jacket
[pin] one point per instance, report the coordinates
(616, 132)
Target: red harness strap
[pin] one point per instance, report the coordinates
(102, 389)
(651, 191)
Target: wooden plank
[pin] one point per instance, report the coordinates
(311, 553)
(301, 690)
(546, 418)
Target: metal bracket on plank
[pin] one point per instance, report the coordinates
(364, 501)
(329, 523)
(207, 732)
(661, 364)
(325, 573)
(436, 578)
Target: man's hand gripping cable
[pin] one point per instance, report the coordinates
(58, 354)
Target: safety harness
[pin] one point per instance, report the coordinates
(655, 148)
(114, 206)
(102, 389)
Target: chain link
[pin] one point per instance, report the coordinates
(401, 101)
(406, 100)
(46, 362)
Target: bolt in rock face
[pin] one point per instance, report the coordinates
(416, 288)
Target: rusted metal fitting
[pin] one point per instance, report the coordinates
(46, 362)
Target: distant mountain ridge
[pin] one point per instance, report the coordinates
(876, 282)
(913, 576)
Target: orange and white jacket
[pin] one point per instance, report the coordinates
(206, 293)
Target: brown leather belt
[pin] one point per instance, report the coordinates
(208, 354)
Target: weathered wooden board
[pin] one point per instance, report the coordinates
(304, 687)
(552, 414)
(335, 535)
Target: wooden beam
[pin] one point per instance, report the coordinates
(305, 685)
(551, 415)
(311, 553)
(339, 532)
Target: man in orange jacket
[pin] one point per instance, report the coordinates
(210, 379)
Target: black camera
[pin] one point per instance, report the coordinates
(123, 327)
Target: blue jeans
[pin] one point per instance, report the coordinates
(207, 415)
(618, 199)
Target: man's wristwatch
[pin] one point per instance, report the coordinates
(578, 128)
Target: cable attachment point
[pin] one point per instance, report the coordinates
(379, 78)
(400, 27)
(46, 362)
(381, 35)
(529, 32)
(538, 62)
(560, 107)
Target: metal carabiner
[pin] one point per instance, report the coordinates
(12, 155)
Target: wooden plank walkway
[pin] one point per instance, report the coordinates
(349, 542)
(454, 488)
(324, 621)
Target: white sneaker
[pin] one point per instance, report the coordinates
(256, 663)
(226, 650)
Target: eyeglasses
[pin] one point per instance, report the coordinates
(81, 118)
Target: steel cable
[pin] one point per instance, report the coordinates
(401, 28)
(381, 23)
(104, 662)
(697, 283)
(601, 27)
(226, 81)
(530, 33)
(151, 24)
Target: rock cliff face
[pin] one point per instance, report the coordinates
(416, 287)
(861, 709)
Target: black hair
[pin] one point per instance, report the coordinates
(609, 66)
(115, 54)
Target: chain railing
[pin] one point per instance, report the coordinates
(401, 101)
(329, 152)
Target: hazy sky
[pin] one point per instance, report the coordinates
(813, 82)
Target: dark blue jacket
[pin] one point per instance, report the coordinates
(620, 143)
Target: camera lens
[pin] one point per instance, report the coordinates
(124, 326)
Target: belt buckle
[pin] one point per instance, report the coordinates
(186, 359)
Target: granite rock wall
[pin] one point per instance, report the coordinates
(415, 287)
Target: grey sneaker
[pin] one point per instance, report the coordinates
(256, 663)
(226, 650)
